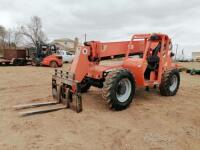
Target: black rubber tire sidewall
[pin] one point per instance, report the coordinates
(84, 86)
(116, 104)
(165, 83)
(15, 62)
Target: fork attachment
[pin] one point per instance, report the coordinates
(38, 107)
(64, 89)
(62, 83)
(36, 104)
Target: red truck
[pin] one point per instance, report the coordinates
(17, 57)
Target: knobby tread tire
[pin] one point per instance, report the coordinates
(166, 81)
(109, 91)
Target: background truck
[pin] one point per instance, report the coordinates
(42, 55)
(67, 57)
(17, 57)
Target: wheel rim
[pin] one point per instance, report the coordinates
(53, 64)
(123, 90)
(174, 83)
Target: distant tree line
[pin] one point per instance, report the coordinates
(22, 35)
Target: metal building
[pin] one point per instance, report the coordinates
(195, 55)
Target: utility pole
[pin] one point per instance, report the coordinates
(9, 44)
(183, 54)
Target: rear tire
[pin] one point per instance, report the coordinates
(7, 63)
(53, 64)
(15, 62)
(170, 83)
(119, 89)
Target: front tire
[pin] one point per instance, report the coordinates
(170, 83)
(119, 89)
(84, 86)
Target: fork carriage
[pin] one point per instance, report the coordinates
(63, 84)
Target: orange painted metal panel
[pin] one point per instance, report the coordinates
(86, 61)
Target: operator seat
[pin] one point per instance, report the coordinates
(153, 59)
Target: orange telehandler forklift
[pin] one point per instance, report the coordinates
(147, 62)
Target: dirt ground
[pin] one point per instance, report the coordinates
(152, 122)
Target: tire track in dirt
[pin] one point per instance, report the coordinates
(21, 87)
